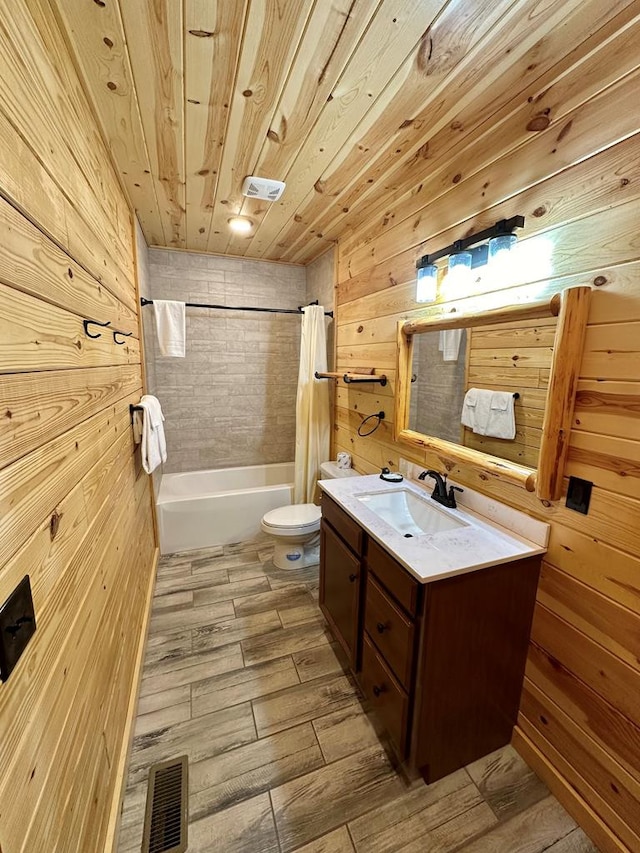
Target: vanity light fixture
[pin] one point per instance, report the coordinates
(240, 224)
(466, 254)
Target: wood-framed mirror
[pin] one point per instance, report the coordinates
(531, 352)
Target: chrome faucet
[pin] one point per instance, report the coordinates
(440, 493)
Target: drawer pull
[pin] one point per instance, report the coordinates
(353, 578)
(378, 691)
(382, 627)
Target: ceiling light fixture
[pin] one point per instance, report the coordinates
(240, 224)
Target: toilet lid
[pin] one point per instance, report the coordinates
(296, 515)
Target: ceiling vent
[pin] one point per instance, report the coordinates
(262, 188)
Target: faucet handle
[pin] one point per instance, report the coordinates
(451, 498)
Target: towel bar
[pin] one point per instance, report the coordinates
(133, 409)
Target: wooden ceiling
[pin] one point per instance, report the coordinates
(351, 102)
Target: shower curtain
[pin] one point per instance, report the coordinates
(312, 405)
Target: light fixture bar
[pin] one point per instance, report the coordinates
(503, 226)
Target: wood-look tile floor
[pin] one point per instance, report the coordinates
(241, 675)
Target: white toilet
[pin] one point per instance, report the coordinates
(296, 528)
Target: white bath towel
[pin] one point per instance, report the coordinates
(489, 413)
(170, 326)
(449, 343)
(154, 446)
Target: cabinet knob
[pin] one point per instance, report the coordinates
(353, 577)
(378, 691)
(381, 627)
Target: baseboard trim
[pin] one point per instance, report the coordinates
(113, 827)
(582, 813)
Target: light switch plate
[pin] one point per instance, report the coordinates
(17, 626)
(579, 495)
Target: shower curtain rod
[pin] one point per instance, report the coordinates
(297, 310)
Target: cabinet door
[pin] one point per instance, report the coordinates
(340, 590)
(388, 699)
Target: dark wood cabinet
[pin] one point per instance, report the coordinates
(340, 579)
(441, 663)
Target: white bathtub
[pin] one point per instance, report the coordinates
(199, 509)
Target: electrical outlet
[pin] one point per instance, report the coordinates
(17, 626)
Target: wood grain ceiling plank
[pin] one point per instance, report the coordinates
(272, 34)
(482, 139)
(314, 72)
(213, 38)
(96, 37)
(374, 76)
(450, 45)
(154, 33)
(515, 54)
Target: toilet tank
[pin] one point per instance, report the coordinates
(330, 470)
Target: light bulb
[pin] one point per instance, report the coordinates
(459, 269)
(426, 283)
(500, 258)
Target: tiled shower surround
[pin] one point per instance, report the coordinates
(231, 400)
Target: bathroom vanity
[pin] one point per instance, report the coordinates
(433, 609)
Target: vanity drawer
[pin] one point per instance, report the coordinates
(387, 697)
(391, 631)
(393, 576)
(342, 523)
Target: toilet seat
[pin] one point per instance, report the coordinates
(298, 518)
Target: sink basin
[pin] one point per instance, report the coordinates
(408, 513)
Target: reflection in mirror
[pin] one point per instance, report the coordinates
(506, 357)
(439, 364)
(514, 357)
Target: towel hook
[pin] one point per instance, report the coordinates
(124, 335)
(87, 323)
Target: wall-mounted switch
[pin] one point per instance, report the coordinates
(17, 626)
(579, 495)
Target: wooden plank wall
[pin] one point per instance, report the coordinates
(75, 510)
(516, 358)
(576, 178)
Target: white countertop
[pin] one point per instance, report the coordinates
(434, 556)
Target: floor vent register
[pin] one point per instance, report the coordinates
(166, 814)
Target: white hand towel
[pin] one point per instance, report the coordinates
(154, 446)
(170, 327)
(468, 417)
(476, 410)
(502, 419)
(449, 343)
